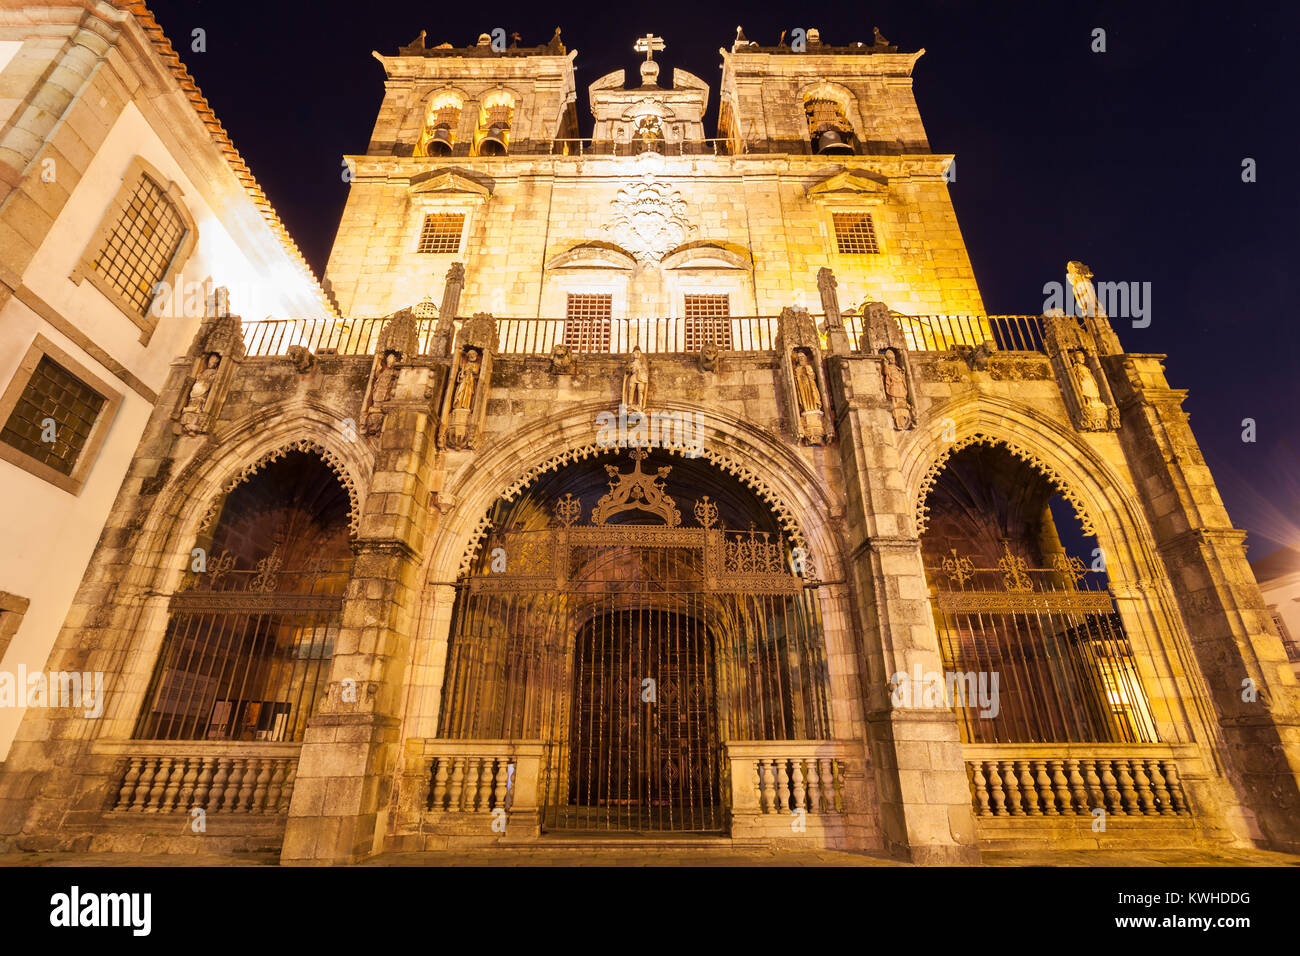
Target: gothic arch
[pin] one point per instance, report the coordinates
(775, 473)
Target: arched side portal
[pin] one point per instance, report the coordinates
(635, 633)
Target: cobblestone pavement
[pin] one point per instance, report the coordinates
(614, 855)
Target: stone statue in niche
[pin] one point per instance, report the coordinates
(466, 379)
(805, 384)
(804, 392)
(200, 393)
(896, 390)
(1092, 408)
(636, 381)
(382, 390)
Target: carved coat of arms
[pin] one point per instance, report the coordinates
(649, 219)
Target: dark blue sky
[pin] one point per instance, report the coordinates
(1129, 160)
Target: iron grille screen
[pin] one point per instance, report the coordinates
(53, 393)
(587, 321)
(708, 321)
(855, 233)
(141, 245)
(441, 233)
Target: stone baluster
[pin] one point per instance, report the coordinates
(814, 787)
(1126, 791)
(1077, 788)
(259, 790)
(1061, 786)
(1142, 783)
(275, 786)
(457, 784)
(769, 786)
(829, 773)
(1047, 796)
(1096, 792)
(129, 780)
(192, 765)
(1112, 804)
(204, 785)
(159, 785)
(979, 784)
(1029, 788)
(230, 802)
(796, 784)
(219, 784)
(439, 796)
(174, 784)
(758, 787)
(1160, 787)
(144, 785)
(290, 773)
(782, 787)
(1176, 797)
(996, 793)
(491, 767)
(1010, 781)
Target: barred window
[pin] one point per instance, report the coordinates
(855, 233)
(587, 320)
(441, 233)
(708, 321)
(1288, 642)
(141, 245)
(53, 417)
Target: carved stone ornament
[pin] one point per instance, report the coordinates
(216, 350)
(302, 358)
(883, 336)
(1072, 351)
(710, 357)
(637, 491)
(562, 361)
(464, 405)
(649, 219)
(444, 331)
(807, 397)
(636, 381)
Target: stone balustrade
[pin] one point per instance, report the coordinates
(152, 782)
(477, 776)
(1137, 786)
(781, 777)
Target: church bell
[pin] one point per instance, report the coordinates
(440, 141)
(494, 143)
(830, 141)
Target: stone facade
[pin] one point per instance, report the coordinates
(375, 771)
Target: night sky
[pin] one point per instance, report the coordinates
(1129, 160)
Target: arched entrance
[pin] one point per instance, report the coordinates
(634, 642)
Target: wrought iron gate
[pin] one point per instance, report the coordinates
(633, 651)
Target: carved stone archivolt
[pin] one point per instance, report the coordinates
(217, 348)
(932, 473)
(1072, 351)
(803, 373)
(464, 405)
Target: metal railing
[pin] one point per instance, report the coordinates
(667, 335)
(590, 147)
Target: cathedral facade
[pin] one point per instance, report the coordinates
(651, 484)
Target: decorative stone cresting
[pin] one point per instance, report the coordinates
(302, 444)
(979, 438)
(785, 518)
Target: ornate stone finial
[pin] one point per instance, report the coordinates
(648, 44)
(1085, 295)
(880, 44)
(556, 46)
(217, 303)
(418, 42)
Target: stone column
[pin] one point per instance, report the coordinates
(350, 752)
(916, 751)
(1251, 683)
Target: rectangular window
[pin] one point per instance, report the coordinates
(1288, 642)
(140, 246)
(441, 233)
(53, 417)
(708, 321)
(855, 233)
(587, 321)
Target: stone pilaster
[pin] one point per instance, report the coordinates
(350, 752)
(924, 795)
(1251, 684)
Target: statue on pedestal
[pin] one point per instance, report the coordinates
(200, 392)
(636, 381)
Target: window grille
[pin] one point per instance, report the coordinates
(141, 245)
(855, 233)
(441, 233)
(587, 321)
(53, 393)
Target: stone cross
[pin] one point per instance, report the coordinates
(648, 45)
